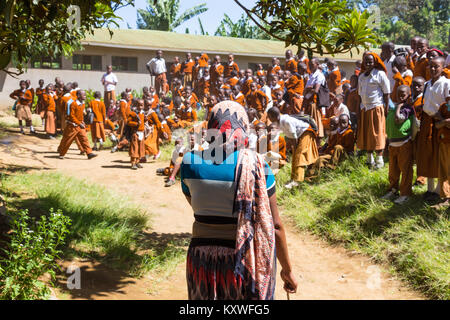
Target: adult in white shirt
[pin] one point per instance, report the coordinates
(388, 57)
(109, 81)
(299, 134)
(157, 67)
(312, 87)
(437, 92)
(374, 89)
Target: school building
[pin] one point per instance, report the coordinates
(129, 50)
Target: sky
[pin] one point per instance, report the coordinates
(210, 19)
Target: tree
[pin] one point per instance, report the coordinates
(243, 28)
(318, 26)
(162, 15)
(403, 19)
(41, 27)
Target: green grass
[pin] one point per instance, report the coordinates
(105, 226)
(344, 207)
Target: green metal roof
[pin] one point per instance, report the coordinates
(171, 41)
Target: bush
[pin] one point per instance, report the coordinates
(31, 253)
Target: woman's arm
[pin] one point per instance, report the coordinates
(290, 283)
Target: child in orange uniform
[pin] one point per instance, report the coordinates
(136, 121)
(98, 125)
(48, 104)
(23, 97)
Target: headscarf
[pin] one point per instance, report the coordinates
(379, 64)
(231, 121)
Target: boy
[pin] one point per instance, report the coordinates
(136, 121)
(76, 128)
(257, 99)
(398, 129)
(418, 84)
(40, 110)
(304, 140)
(237, 95)
(401, 74)
(276, 149)
(98, 125)
(177, 158)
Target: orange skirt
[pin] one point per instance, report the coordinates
(50, 122)
(372, 129)
(312, 110)
(23, 112)
(427, 155)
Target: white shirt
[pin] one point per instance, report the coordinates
(435, 95)
(111, 78)
(157, 66)
(266, 89)
(292, 127)
(390, 75)
(316, 78)
(372, 87)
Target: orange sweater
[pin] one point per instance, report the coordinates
(346, 140)
(334, 80)
(48, 101)
(229, 68)
(76, 113)
(291, 65)
(24, 97)
(421, 69)
(99, 109)
(400, 80)
(257, 100)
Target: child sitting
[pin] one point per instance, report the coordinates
(398, 128)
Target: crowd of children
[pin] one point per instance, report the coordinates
(395, 103)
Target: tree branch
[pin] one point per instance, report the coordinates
(249, 14)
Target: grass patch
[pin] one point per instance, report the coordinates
(344, 206)
(105, 226)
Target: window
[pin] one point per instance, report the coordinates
(46, 63)
(124, 64)
(86, 62)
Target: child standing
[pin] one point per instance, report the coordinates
(398, 129)
(136, 121)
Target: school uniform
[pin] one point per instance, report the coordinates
(372, 123)
(334, 81)
(305, 151)
(291, 65)
(137, 148)
(23, 111)
(311, 107)
(444, 154)
(229, 68)
(49, 106)
(153, 132)
(98, 126)
(400, 79)
(40, 109)
(421, 68)
(187, 67)
(428, 142)
(73, 130)
(400, 151)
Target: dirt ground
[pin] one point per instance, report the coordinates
(323, 271)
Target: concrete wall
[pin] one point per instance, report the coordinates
(135, 80)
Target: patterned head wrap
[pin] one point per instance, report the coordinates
(231, 121)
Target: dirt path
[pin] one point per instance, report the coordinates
(323, 271)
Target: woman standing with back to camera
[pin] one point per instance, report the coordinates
(237, 234)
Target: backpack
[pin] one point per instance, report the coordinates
(323, 96)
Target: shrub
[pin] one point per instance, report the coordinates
(30, 254)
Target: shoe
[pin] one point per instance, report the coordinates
(22, 132)
(91, 155)
(160, 171)
(143, 160)
(100, 148)
(82, 153)
(156, 157)
(378, 166)
(390, 194)
(401, 200)
(61, 157)
(114, 149)
(51, 137)
(291, 185)
(134, 167)
(139, 165)
(170, 183)
(370, 165)
(95, 148)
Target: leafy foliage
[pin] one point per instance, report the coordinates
(243, 28)
(403, 19)
(32, 28)
(32, 252)
(162, 15)
(318, 26)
